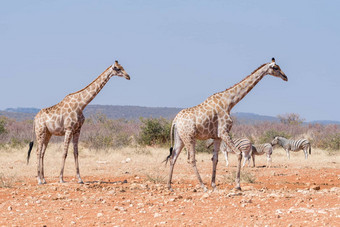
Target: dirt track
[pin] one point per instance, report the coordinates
(132, 193)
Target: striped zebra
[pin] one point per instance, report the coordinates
(261, 149)
(243, 144)
(293, 145)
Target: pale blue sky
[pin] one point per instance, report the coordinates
(177, 52)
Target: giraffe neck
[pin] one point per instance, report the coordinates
(237, 92)
(87, 94)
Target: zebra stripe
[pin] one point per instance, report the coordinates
(261, 149)
(243, 144)
(293, 145)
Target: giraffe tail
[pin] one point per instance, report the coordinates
(171, 148)
(30, 145)
(169, 156)
(29, 151)
(310, 149)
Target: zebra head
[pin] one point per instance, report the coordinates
(276, 71)
(275, 141)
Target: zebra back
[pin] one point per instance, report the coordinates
(260, 149)
(243, 144)
(299, 144)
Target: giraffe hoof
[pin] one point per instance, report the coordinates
(238, 188)
(81, 182)
(62, 181)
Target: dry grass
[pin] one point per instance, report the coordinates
(145, 161)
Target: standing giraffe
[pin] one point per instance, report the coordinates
(211, 119)
(66, 118)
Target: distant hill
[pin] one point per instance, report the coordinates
(251, 118)
(135, 112)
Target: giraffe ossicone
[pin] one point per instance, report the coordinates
(66, 119)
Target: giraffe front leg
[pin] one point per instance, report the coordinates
(75, 153)
(67, 139)
(238, 173)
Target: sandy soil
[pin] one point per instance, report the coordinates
(128, 188)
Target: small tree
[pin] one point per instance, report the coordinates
(3, 122)
(154, 131)
(291, 119)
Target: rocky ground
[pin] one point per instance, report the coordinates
(131, 191)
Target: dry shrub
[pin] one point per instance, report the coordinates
(99, 132)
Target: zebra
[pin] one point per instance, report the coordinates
(260, 149)
(293, 145)
(243, 144)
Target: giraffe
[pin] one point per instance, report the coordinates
(66, 119)
(211, 120)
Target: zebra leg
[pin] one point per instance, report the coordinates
(306, 153)
(253, 157)
(226, 157)
(288, 154)
(269, 160)
(245, 160)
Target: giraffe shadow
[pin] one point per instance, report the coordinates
(106, 182)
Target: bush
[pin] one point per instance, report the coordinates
(3, 122)
(332, 142)
(154, 131)
(100, 132)
(201, 146)
(269, 135)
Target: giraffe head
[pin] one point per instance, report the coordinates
(118, 70)
(275, 70)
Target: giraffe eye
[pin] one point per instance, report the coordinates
(275, 67)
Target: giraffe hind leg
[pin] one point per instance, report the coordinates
(174, 155)
(217, 144)
(44, 146)
(67, 139)
(191, 148)
(75, 152)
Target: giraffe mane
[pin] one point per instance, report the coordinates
(90, 83)
(248, 75)
(243, 79)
